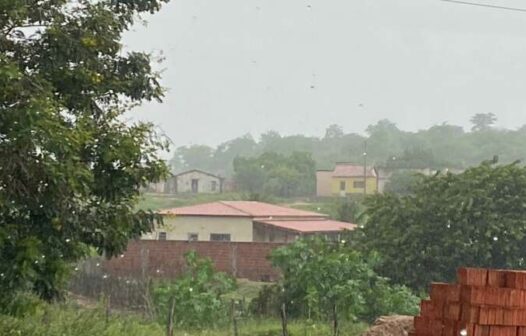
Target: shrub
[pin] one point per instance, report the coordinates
(329, 280)
(197, 294)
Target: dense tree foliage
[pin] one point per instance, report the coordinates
(441, 146)
(476, 218)
(70, 169)
(331, 280)
(276, 174)
(401, 182)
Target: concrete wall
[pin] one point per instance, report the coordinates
(205, 183)
(178, 228)
(323, 183)
(165, 259)
(372, 185)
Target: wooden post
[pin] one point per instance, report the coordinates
(170, 325)
(147, 299)
(108, 308)
(234, 320)
(335, 330)
(284, 331)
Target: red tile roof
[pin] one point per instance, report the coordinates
(352, 170)
(310, 226)
(241, 209)
(260, 209)
(207, 209)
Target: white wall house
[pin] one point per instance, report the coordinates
(197, 182)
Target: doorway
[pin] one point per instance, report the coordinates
(195, 185)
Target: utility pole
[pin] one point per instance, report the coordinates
(365, 168)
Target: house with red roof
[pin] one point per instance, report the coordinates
(244, 221)
(346, 179)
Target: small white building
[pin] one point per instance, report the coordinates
(198, 182)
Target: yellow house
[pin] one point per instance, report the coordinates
(347, 179)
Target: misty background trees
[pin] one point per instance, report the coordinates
(438, 147)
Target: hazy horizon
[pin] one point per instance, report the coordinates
(248, 66)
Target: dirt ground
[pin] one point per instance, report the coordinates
(396, 325)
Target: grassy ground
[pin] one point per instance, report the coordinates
(70, 320)
(270, 327)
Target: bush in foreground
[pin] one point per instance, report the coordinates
(196, 295)
(326, 280)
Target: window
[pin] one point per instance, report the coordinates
(358, 184)
(193, 237)
(220, 236)
(214, 185)
(342, 185)
(162, 236)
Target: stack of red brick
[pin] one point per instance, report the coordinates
(482, 303)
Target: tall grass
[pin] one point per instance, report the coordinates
(32, 317)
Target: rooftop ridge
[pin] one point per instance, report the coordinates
(231, 206)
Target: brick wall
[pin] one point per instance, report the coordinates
(165, 259)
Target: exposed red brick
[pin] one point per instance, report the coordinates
(502, 331)
(516, 279)
(472, 276)
(470, 314)
(165, 259)
(443, 292)
(481, 330)
(452, 311)
(497, 278)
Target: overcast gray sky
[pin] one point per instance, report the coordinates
(295, 66)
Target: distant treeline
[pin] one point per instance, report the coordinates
(441, 146)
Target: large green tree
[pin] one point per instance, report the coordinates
(476, 218)
(70, 168)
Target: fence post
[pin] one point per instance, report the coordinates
(284, 331)
(148, 301)
(335, 320)
(234, 320)
(108, 308)
(170, 326)
(233, 260)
